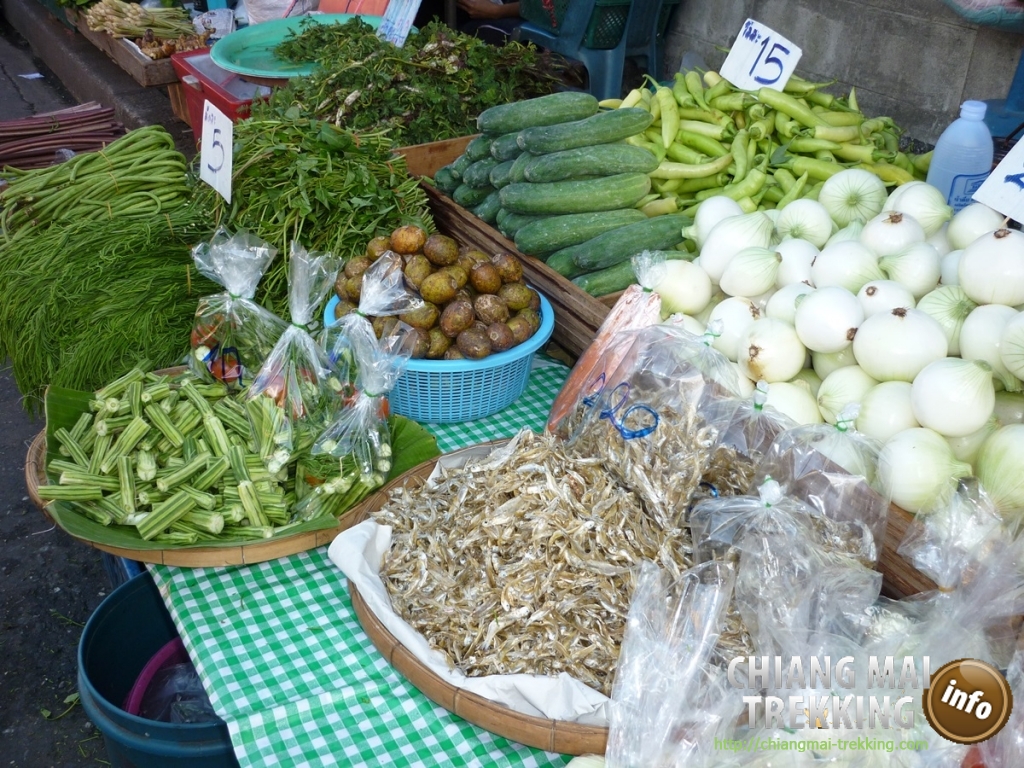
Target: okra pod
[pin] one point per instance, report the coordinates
(57, 466)
(164, 514)
(134, 396)
(207, 520)
(85, 478)
(232, 419)
(127, 483)
(95, 513)
(189, 448)
(150, 496)
(110, 424)
(249, 531)
(164, 425)
(177, 538)
(111, 507)
(69, 492)
(145, 466)
(238, 466)
(202, 499)
(216, 435)
(210, 391)
(116, 387)
(126, 441)
(83, 423)
(156, 392)
(251, 503)
(74, 449)
(99, 451)
(181, 474)
(215, 470)
(188, 389)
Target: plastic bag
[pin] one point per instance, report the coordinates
(1006, 748)
(659, 714)
(359, 438)
(232, 334)
(296, 392)
(832, 468)
(176, 695)
(946, 542)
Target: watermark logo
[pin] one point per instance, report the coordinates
(968, 701)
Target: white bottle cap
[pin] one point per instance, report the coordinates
(973, 110)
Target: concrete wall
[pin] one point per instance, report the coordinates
(915, 60)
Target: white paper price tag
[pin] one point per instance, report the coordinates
(397, 21)
(760, 58)
(1003, 190)
(215, 150)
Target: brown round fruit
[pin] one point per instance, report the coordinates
(484, 277)
(508, 267)
(384, 326)
(439, 344)
(534, 301)
(438, 288)
(441, 250)
(452, 353)
(532, 317)
(490, 309)
(420, 341)
(377, 246)
(357, 265)
(456, 317)
(408, 239)
(354, 288)
(343, 308)
(473, 344)
(423, 318)
(340, 289)
(473, 253)
(500, 336)
(516, 295)
(520, 328)
(416, 270)
(458, 272)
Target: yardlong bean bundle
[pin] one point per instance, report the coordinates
(140, 174)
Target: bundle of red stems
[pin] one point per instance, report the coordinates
(35, 142)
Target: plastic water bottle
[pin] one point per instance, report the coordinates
(963, 156)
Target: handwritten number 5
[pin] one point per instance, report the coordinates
(770, 59)
(218, 146)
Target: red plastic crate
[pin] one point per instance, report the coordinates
(225, 90)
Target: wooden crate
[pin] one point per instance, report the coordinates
(426, 159)
(144, 70)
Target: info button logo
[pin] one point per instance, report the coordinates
(968, 701)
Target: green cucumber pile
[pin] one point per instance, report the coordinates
(557, 175)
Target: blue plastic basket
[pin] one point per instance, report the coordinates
(451, 391)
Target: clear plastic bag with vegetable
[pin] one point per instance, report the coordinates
(832, 468)
(1006, 748)
(176, 695)
(232, 334)
(296, 392)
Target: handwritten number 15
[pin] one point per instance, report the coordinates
(770, 59)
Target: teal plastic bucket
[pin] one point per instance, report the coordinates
(120, 638)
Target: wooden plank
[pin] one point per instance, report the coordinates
(427, 159)
(144, 70)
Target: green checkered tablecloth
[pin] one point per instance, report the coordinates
(289, 668)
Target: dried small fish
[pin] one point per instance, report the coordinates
(524, 561)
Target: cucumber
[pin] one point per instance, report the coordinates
(604, 194)
(462, 162)
(564, 265)
(479, 173)
(513, 222)
(500, 218)
(468, 196)
(600, 160)
(445, 180)
(543, 110)
(516, 173)
(488, 209)
(479, 148)
(506, 147)
(559, 232)
(618, 277)
(499, 174)
(659, 233)
(602, 128)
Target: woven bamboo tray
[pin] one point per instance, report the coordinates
(551, 735)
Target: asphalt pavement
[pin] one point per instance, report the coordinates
(49, 583)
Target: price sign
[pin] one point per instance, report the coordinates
(215, 150)
(1003, 190)
(397, 21)
(760, 58)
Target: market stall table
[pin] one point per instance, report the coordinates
(289, 668)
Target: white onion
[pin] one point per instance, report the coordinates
(954, 397)
(842, 387)
(1009, 408)
(966, 448)
(587, 761)
(794, 401)
(805, 220)
(782, 304)
(950, 306)
(850, 232)
(745, 387)
(999, 469)
(925, 203)
(949, 268)
(688, 323)
(884, 296)
(848, 264)
(770, 350)
(885, 410)
(917, 469)
(981, 337)
(897, 193)
(797, 257)
(735, 314)
(752, 271)
(896, 345)
(709, 213)
(971, 223)
(940, 242)
(991, 268)
(730, 236)
(808, 379)
(684, 288)
(824, 363)
(852, 195)
(889, 233)
(1011, 345)
(827, 319)
(705, 314)
(917, 267)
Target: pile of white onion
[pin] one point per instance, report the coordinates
(907, 310)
